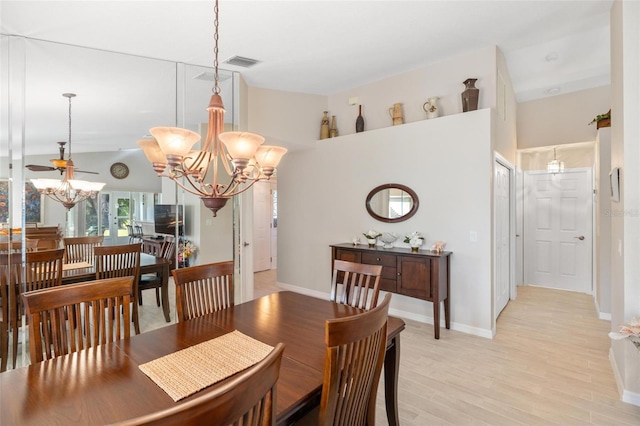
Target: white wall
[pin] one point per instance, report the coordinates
(604, 213)
(561, 119)
(447, 161)
(625, 153)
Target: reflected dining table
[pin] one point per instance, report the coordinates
(104, 385)
(149, 264)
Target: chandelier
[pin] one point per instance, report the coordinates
(68, 191)
(243, 156)
(554, 166)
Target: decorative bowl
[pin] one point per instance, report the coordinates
(388, 238)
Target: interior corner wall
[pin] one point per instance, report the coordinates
(447, 161)
(561, 119)
(604, 213)
(505, 112)
(285, 118)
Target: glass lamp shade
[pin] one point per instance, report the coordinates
(241, 145)
(58, 162)
(85, 186)
(175, 141)
(46, 184)
(555, 166)
(152, 151)
(270, 156)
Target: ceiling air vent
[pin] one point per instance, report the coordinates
(209, 76)
(240, 61)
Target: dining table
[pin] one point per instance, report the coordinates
(149, 264)
(104, 384)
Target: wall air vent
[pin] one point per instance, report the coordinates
(240, 61)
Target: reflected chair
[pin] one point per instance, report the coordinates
(247, 398)
(355, 355)
(43, 270)
(10, 269)
(73, 317)
(149, 281)
(203, 289)
(359, 284)
(117, 262)
(10, 247)
(80, 249)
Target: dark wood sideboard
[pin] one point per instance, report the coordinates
(424, 275)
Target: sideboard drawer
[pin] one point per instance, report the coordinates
(348, 255)
(388, 260)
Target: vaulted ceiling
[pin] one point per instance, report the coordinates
(309, 46)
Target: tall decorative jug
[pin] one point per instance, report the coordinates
(470, 95)
(431, 107)
(395, 113)
(324, 126)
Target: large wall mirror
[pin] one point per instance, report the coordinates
(392, 202)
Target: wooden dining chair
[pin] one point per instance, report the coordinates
(42, 270)
(203, 289)
(10, 247)
(10, 270)
(153, 281)
(73, 317)
(246, 399)
(359, 284)
(80, 249)
(117, 262)
(355, 354)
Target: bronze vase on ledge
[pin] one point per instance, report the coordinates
(470, 95)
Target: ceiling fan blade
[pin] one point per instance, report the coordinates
(84, 171)
(37, 168)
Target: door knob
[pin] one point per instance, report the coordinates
(581, 237)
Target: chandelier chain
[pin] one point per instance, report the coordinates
(69, 127)
(216, 88)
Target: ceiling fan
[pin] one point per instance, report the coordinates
(58, 164)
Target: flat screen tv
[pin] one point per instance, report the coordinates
(165, 219)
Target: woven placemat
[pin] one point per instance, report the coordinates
(189, 370)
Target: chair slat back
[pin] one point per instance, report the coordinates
(355, 284)
(168, 248)
(355, 354)
(117, 262)
(73, 317)
(203, 289)
(247, 399)
(10, 278)
(43, 269)
(80, 249)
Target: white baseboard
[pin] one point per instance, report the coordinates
(626, 396)
(397, 313)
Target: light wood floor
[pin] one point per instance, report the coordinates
(547, 365)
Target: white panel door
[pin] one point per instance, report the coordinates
(557, 240)
(261, 226)
(502, 225)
